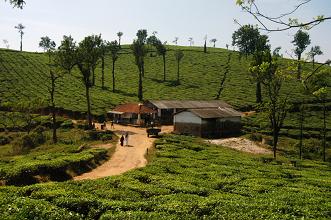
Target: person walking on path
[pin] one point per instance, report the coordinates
(112, 124)
(126, 139)
(122, 140)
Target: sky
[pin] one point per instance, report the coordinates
(170, 18)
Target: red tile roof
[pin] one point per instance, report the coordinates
(134, 108)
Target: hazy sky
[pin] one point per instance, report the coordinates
(170, 18)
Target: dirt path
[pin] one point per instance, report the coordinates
(124, 158)
(241, 144)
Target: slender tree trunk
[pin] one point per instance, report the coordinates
(119, 41)
(21, 48)
(258, 92)
(87, 93)
(164, 67)
(93, 77)
(324, 131)
(143, 69)
(299, 67)
(53, 109)
(313, 62)
(178, 81)
(205, 47)
(103, 71)
(113, 73)
(140, 87)
(275, 141)
(214, 44)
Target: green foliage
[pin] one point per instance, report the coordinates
(182, 182)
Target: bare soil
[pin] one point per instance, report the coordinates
(125, 158)
(242, 144)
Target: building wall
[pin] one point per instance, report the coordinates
(187, 123)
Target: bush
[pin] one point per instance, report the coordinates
(99, 135)
(29, 141)
(255, 137)
(4, 140)
(67, 124)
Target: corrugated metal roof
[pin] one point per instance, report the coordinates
(188, 104)
(215, 113)
(133, 108)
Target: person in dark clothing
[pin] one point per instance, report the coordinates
(122, 140)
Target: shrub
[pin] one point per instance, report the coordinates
(29, 141)
(67, 124)
(255, 137)
(99, 135)
(4, 140)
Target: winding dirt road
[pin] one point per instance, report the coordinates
(125, 158)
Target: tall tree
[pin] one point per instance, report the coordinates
(6, 43)
(114, 49)
(250, 42)
(276, 106)
(119, 35)
(176, 40)
(20, 27)
(17, 3)
(49, 46)
(205, 45)
(314, 51)
(97, 52)
(190, 39)
(213, 41)
(301, 41)
(66, 55)
(87, 54)
(318, 85)
(104, 47)
(245, 38)
(161, 51)
(178, 56)
(139, 51)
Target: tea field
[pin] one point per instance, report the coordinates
(187, 179)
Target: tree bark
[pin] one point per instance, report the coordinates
(113, 73)
(87, 92)
(140, 87)
(275, 141)
(21, 47)
(178, 81)
(164, 68)
(53, 109)
(299, 67)
(324, 131)
(103, 71)
(93, 76)
(258, 92)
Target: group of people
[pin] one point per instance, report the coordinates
(124, 140)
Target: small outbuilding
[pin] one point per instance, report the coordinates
(167, 108)
(132, 113)
(208, 122)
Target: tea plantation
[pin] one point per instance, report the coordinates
(187, 179)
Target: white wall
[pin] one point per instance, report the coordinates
(186, 117)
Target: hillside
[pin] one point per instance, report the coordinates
(187, 179)
(23, 75)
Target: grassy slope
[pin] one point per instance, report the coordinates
(24, 76)
(187, 180)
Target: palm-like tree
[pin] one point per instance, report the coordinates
(139, 51)
(20, 27)
(213, 41)
(314, 51)
(179, 56)
(191, 41)
(176, 40)
(114, 48)
(119, 35)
